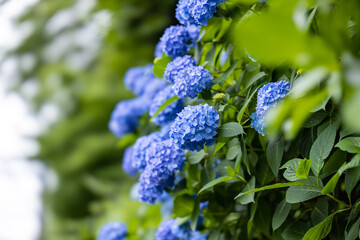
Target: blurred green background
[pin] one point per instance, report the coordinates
(76, 54)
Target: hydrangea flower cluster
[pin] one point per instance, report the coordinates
(163, 159)
(113, 231)
(196, 11)
(170, 231)
(170, 112)
(268, 96)
(125, 116)
(194, 32)
(127, 162)
(174, 67)
(191, 81)
(203, 10)
(194, 127)
(141, 145)
(182, 13)
(175, 41)
(137, 78)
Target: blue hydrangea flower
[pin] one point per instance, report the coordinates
(158, 50)
(126, 114)
(173, 68)
(257, 123)
(141, 145)
(127, 162)
(268, 96)
(169, 230)
(182, 13)
(174, 41)
(170, 112)
(163, 159)
(113, 231)
(194, 127)
(203, 10)
(137, 78)
(192, 80)
(149, 193)
(203, 205)
(154, 88)
(194, 32)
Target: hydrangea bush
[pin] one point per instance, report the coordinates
(244, 128)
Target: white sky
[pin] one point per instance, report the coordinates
(20, 183)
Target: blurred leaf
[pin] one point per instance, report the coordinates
(160, 65)
(183, 205)
(274, 154)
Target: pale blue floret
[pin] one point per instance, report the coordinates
(191, 81)
(174, 67)
(113, 231)
(170, 112)
(195, 127)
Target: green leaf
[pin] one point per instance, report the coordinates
(354, 231)
(296, 194)
(310, 19)
(320, 211)
(335, 161)
(355, 162)
(183, 205)
(330, 186)
(350, 144)
(352, 177)
(160, 65)
(248, 198)
(226, 74)
(215, 182)
(208, 173)
(274, 186)
(234, 149)
(274, 154)
(302, 171)
(322, 147)
(321, 230)
(195, 215)
(230, 129)
(245, 105)
(291, 167)
(281, 212)
(210, 56)
(165, 104)
(196, 157)
(219, 145)
(254, 79)
(294, 231)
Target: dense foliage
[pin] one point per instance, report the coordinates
(256, 133)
